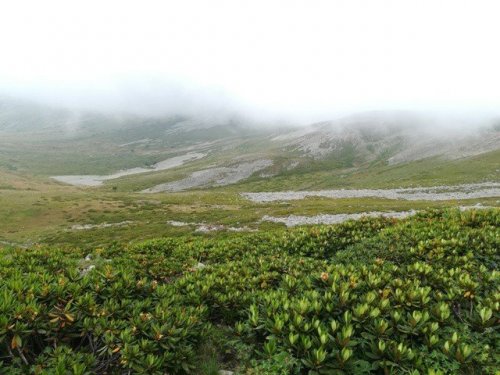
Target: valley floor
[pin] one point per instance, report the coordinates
(36, 209)
(53, 214)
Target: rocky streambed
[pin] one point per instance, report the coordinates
(294, 220)
(96, 180)
(217, 176)
(436, 193)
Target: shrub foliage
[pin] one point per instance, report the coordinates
(417, 296)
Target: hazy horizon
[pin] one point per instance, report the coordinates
(267, 60)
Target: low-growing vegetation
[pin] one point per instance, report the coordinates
(381, 296)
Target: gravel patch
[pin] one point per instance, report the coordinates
(218, 176)
(294, 220)
(175, 223)
(13, 244)
(139, 142)
(96, 180)
(437, 193)
(100, 226)
(205, 228)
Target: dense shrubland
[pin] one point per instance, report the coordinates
(418, 296)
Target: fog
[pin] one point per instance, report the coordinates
(298, 61)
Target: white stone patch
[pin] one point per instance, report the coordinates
(177, 223)
(100, 226)
(96, 180)
(294, 220)
(218, 176)
(437, 193)
(139, 142)
(205, 228)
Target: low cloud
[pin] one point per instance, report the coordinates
(266, 60)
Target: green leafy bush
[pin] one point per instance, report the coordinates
(420, 295)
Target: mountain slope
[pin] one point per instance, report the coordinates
(43, 141)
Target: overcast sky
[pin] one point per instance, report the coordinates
(297, 59)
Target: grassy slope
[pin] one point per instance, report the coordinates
(35, 208)
(38, 209)
(426, 172)
(323, 175)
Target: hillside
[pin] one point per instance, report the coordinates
(47, 142)
(134, 176)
